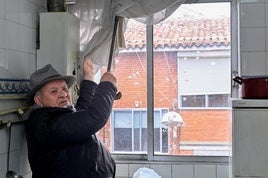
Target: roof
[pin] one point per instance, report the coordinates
(181, 33)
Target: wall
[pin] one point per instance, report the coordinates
(18, 35)
(254, 54)
(18, 39)
(254, 39)
(175, 170)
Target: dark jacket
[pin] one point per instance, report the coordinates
(62, 142)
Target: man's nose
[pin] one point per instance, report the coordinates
(63, 93)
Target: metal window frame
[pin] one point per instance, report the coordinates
(150, 157)
(131, 110)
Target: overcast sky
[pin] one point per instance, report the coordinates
(211, 10)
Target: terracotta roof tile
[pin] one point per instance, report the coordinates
(181, 33)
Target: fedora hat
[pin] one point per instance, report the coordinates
(43, 76)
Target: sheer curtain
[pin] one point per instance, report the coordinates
(97, 21)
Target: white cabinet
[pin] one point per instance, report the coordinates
(59, 41)
(250, 140)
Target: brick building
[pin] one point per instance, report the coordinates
(206, 129)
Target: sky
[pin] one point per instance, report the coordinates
(212, 10)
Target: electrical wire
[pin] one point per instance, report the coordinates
(158, 89)
(176, 87)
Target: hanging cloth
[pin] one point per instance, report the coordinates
(97, 17)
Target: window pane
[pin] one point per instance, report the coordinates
(193, 101)
(220, 100)
(130, 69)
(160, 137)
(140, 131)
(123, 131)
(191, 77)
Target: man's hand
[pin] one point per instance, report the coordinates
(88, 70)
(108, 76)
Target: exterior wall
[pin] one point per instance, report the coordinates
(133, 88)
(209, 126)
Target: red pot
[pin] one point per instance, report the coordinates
(253, 87)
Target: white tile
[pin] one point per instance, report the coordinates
(252, 39)
(27, 175)
(4, 141)
(204, 171)
(32, 64)
(17, 137)
(15, 59)
(266, 15)
(28, 13)
(14, 160)
(12, 63)
(3, 61)
(134, 167)
(182, 171)
(122, 170)
(12, 35)
(3, 165)
(11, 10)
(252, 15)
(253, 64)
(2, 33)
(41, 3)
(252, 1)
(24, 165)
(2, 9)
(266, 56)
(27, 39)
(266, 39)
(24, 11)
(162, 170)
(223, 171)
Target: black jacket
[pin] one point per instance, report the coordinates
(62, 142)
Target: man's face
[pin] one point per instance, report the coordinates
(53, 94)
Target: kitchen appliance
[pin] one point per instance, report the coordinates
(59, 41)
(249, 138)
(253, 87)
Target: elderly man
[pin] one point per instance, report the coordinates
(61, 138)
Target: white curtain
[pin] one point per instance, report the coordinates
(97, 22)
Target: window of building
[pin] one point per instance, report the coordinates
(130, 131)
(204, 101)
(182, 65)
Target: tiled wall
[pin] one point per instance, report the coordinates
(254, 38)
(18, 36)
(173, 170)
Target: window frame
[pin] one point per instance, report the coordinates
(150, 156)
(206, 100)
(132, 111)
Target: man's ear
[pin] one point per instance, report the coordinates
(38, 101)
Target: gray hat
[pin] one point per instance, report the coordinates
(43, 76)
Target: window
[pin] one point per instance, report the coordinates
(130, 131)
(191, 62)
(191, 65)
(203, 101)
